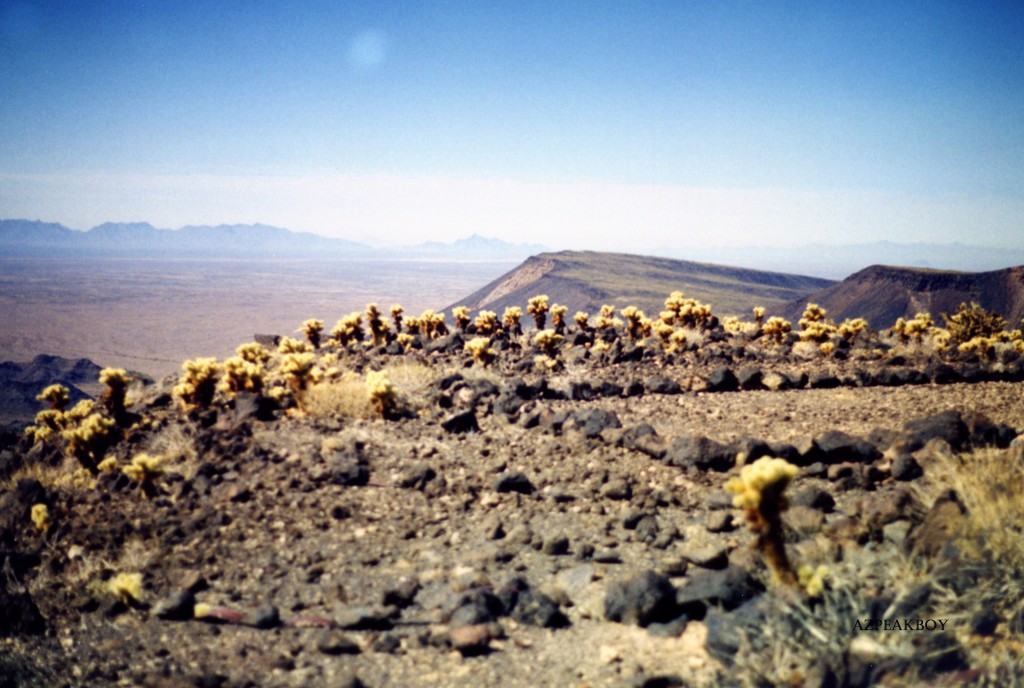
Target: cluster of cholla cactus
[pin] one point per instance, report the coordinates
(145, 469)
(241, 375)
(396, 312)
(538, 308)
(914, 329)
(381, 394)
(313, 329)
(547, 341)
(379, 328)
(606, 319)
(115, 397)
(433, 324)
(635, 320)
(349, 329)
(57, 396)
(688, 312)
(814, 327)
(776, 329)
(850, 329)
(486, 323)
(200, 384)
(461, 316)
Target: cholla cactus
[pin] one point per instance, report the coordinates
(381, 393)
(378, 326)
(349, 329)
(115, 396)
(982, 345)
(914, 329)
(688, 312)
(41, 517)
(486, 323)
(413, 326)
(145, 469)
(582, 319)
(547, 341)
(301, 371)
(812, 580)
(396, 316)
(200, 383)
(776, 328)
(461, 315)
(126, 587)
(48, 423)
(538, 308)
(813, 326)
(664, 332)
(851, 329)
(510, 320)
(759, 315)
(89, 441)
(558, 318)
(241, 375)
(972, 321)
(759, 492)
(676, 341)
(57, 396)
(606, 318)
(827, 348)
(405, 339)
(253, 352)
(481, 351)
(633, 316)
(813, 313)
(731, 324)
(433, 324)
(313, 329)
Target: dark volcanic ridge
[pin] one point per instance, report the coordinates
(20, 383)
(586, 280)
(881, 294)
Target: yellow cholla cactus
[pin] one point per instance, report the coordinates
(313, 329)
(200, 383)
(480, 349)
(144, 469)
(510, 320)
(461, 315)
(850, 329)
(776, 328)
(538, 308)
(433, 324)
(759, 492)
(396, 312)
(109, 465)
(349, 329)
(547, 341)
(253, 352)
(287, 345)
(812, 580)
(827, 348)
(486, 323)
(378, 326)
(300, 371)
(558, 317)
(633, 316)
(582, 318)
(241, 376)
(41, 516)
(57, 396)
(126, 587)
(115, 396)
(88, 441)
(381, 393)
(758, 315)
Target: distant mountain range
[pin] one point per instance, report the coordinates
(585, 280)
(881, 294)
(141, 239)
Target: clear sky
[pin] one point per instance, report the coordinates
(584, 124)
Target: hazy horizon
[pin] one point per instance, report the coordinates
(604, 127)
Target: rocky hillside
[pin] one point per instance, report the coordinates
(715, 509)
(881, 294)
(585, 280)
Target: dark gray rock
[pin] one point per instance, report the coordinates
(837, 446)
(699, 452)
(662, 385)
(592, 421)
(178, 606)
(335, 643)
(514, 481)
(641, 599)
(815, 498)
(905, 467)
(728, 588)
(462, 422)
(722, 379)
(948, 426)
(750, 378)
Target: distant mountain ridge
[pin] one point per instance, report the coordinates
(31, 237)
(881, 294)
(585, 280)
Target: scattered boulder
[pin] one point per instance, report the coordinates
(699, 452)
(641, 599)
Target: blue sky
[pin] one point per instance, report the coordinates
(603, 125)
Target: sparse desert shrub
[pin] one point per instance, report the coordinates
(759, 492)
(200, 383)
(486, 323)
(547, 341)
(57, 396)
(538, 308)
(776, 329)
(461, 315)
(313, 329)
(972, 321)
(381, 394)
(378, 326)
(349, 330)
(510, 320)
(481, 351)
(558, 318)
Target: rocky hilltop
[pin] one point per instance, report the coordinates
(586, 280)
(881, 294)
(407, 503)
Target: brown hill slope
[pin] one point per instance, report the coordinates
(881, 294)
(584, 280)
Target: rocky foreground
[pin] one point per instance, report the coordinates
(540, 516)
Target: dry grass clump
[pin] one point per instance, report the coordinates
(387, 393)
